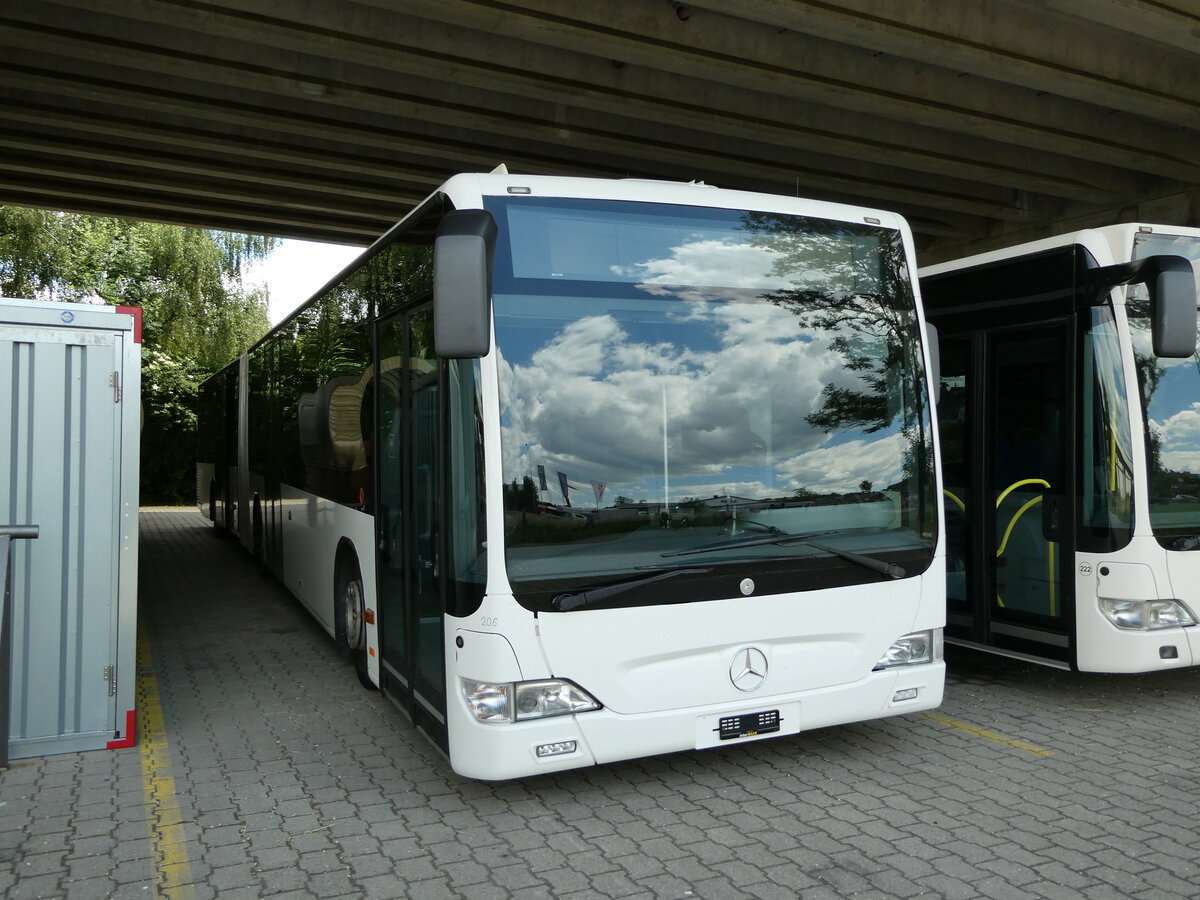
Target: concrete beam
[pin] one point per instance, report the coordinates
(434, 55)
(1181, 208)
(146, 204)
(1019, 44)
(1169, 23)
(53, 151)
(645, 146)
(61, 124)
(754, 56)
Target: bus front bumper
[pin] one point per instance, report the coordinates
(494, 752)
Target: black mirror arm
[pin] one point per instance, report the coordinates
(1138, 271)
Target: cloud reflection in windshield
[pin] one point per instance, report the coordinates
(738, 381)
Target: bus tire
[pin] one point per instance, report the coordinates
(350, 607)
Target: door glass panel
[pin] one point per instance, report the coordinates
(1106, 444)
(389, 520)
(954, 424)
(409, 522)
(429, 676)
(1029, 472)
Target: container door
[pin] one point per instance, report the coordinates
(409, 521)
(1005, 418)
(59, 461)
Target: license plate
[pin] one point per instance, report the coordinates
(731, 728)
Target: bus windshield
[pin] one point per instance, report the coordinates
(1171, 403)
(675, 381)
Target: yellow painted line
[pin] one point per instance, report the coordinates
(987, 735)
(168, 841)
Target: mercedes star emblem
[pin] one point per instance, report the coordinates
(749, 669)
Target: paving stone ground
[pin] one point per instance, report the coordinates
(287, 779)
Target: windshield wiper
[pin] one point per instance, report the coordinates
(580, 599)
(775, 537)
(891, 570)
(783, 539)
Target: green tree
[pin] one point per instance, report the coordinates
(197, 312)
(168, 464)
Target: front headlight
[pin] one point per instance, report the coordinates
(537, 699)
(489, 702)
(500, 703)
(912, 649)
(1146, 615)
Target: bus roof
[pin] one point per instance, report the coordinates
(1109, 244)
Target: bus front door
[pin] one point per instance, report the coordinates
(407, 521)
(1005, 414)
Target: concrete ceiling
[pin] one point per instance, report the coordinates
(983, 121)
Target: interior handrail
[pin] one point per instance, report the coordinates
(1016, 484)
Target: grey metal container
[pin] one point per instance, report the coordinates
(70, 379)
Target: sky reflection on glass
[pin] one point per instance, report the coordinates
(707, 332)
(1173, 407)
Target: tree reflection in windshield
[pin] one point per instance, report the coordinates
(867, 305)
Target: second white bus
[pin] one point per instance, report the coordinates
(1070, 429)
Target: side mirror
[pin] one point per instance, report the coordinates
(462, 284)
(1171, 284)
(1173, 308)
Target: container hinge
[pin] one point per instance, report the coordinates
(115, 380)
(110, 675)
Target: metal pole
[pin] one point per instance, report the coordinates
(8, 533)
(20, 532)
(666, 516)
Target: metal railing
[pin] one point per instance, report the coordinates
(8, 534)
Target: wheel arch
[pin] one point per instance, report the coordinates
(346, 565)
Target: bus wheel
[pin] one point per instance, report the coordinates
(352, 633)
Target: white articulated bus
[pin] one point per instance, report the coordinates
(581, 470)
(1070, 430)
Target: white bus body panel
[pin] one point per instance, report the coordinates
(205, 473)
(1142, 570)
(678, 656)
(663, 673)
(1183, 570)
(313, 528)
(467, 192)
(1137, 572)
